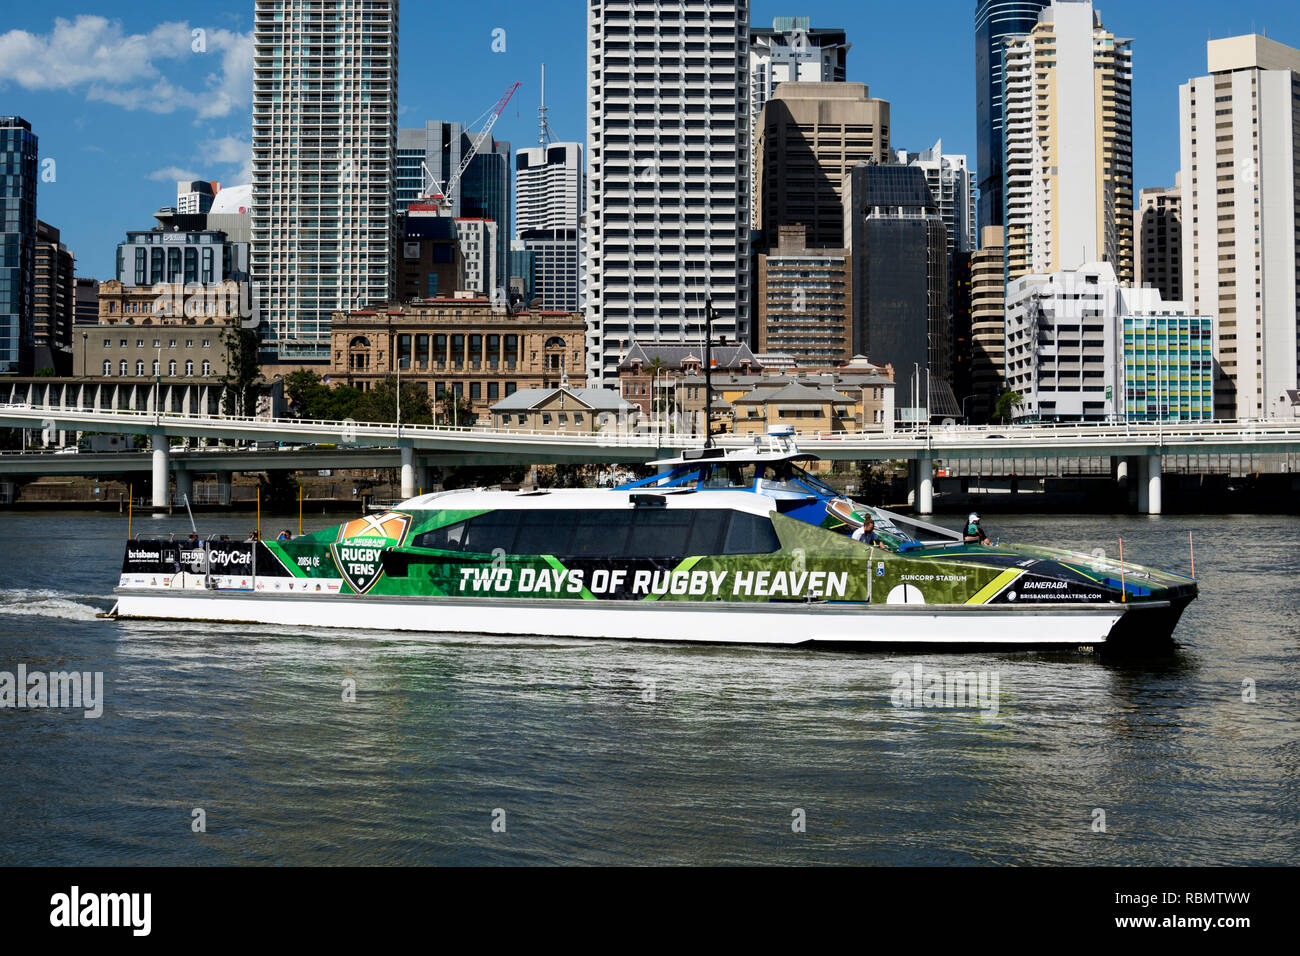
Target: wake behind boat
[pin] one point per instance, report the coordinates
(741, 546)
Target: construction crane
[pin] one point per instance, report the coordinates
(443, 196)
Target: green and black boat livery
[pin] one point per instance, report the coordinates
(742, 547)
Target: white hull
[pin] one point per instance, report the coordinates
(715, 623)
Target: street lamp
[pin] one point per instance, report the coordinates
(964, 414)
(157, 389)
(399, 399)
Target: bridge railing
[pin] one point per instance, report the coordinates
(345, 432)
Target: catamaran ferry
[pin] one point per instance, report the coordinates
(740, 546)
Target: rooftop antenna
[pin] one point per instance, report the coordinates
(544, 133)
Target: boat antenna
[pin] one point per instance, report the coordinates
(193, 526)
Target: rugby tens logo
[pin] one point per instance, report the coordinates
(362, 542)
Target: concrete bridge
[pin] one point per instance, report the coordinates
(1139, 448)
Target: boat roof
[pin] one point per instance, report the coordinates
(589, 499)
(775, 447)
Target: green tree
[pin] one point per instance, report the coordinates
(243, 370)
(453, 410)
(45, 372)
(380, 403)
(312, 399)
(1006, 405)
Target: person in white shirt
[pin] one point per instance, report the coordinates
(867, 533)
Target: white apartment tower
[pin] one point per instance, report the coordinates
(668, 212)
(1241, 218)
(324, 152)
(952, 182)
(550, 198)
(1069, 145)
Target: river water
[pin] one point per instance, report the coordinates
(599, 752)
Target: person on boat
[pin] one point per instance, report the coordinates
(253, 535)
(285, 535)
(193, 538)
(975, 533)
(867, 533)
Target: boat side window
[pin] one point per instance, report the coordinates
(660, 533)
(750, 534)
(600, 534)
(641, 533)
(544, 532)
(448, 538)
(494, 531)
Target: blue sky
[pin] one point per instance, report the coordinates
(124, 106)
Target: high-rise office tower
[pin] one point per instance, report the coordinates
(485, 274)
(1241, 230)
(54, 302)
(324, 151)
(952, 184)
(810, 136)
(791, 52)
(804, 303)
(988, 324)
(87, 301)
(899, 249)
(1159, 258)
(1069, 145)
(996, 21)
(550, 198)
(17, 243)
(668, 209)
(484, 190)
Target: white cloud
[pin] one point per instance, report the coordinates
(173, 174)
(230, 151)
(94, 53)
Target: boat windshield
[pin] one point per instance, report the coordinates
(777, 477)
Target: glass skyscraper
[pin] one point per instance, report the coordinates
(995, 22)
(17, 242)
(484, 191)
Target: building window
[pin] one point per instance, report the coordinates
(155, 368)
(475, 391)
(122, 369)
(108, 369)
(207, 368)
(171, 368)
(139, 368)
(189, 367)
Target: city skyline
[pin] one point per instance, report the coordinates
(143, 114)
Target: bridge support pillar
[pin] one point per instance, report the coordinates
(161, 462)
(184, 488)
(1143, 485)
(423, 479)
(223, 488)
(1155, 479)
(408, 472)
(925, 484)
